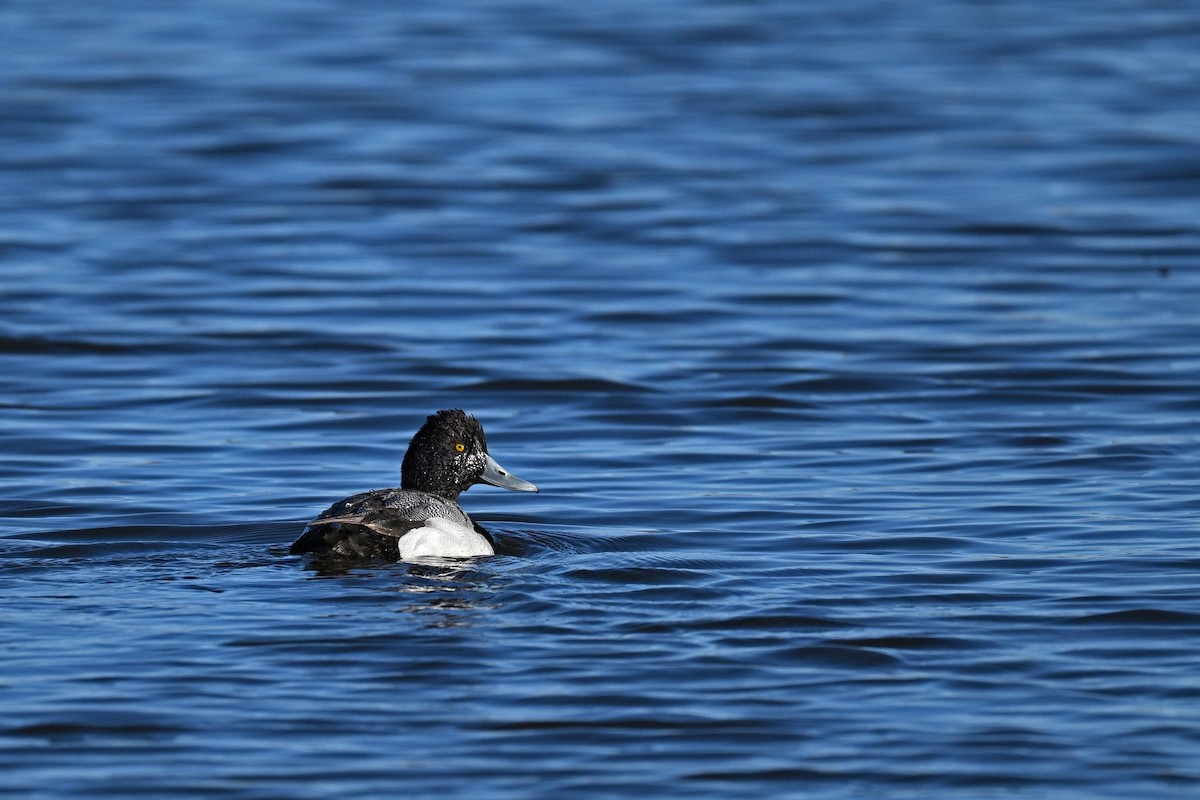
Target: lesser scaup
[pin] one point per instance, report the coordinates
(421, 519)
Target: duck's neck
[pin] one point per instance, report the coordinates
(430, 486)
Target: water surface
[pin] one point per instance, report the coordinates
(853, 347)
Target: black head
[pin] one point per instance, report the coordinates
(449, 455)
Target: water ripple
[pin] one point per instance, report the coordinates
(851, 346)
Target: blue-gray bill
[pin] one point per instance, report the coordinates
(497, 475)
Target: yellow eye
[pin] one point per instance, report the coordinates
(459, 447)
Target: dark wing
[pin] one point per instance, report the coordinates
(345, 540)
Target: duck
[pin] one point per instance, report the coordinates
(422, 518)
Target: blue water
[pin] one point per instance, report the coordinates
(854, 346)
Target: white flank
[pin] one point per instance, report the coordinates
(441, 538)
